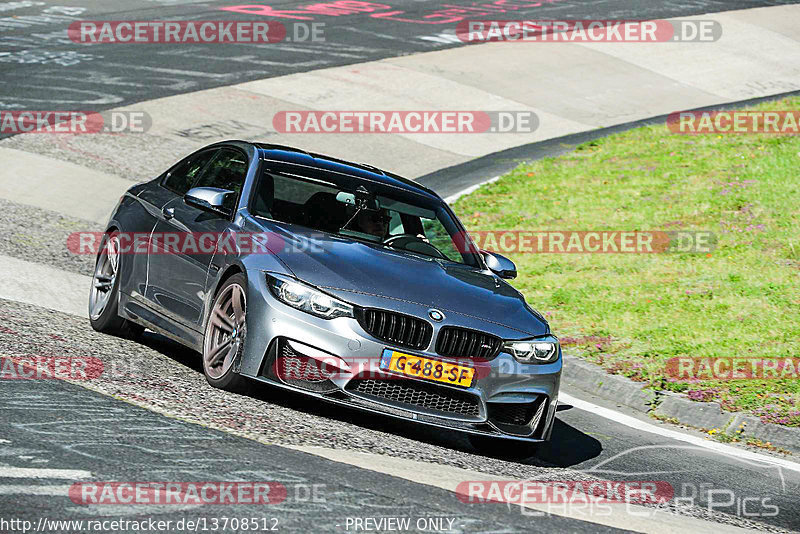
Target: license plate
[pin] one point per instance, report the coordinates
(426, 368)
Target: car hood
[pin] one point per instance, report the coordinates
(340, 264)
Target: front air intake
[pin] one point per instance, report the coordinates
(464, 343)
(417, 394)
(396, 328)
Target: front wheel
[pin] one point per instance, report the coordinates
(104, 294)
(226, 333)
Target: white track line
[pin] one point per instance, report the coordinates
(77, 286)
(643, 426)
(50, 491)
(470, 189)
(29, 472)
(625, 516)
(633, 422)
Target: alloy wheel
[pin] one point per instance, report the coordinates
(105, 276)
(225, 332)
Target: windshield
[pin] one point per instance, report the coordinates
(421, 228)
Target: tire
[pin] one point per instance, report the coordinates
(225, 336)
(104, 293)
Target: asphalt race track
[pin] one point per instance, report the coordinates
(119, 442)
(33, 50)
(99, 435)
(153, 417)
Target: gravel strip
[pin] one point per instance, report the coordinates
(40, 236)
(164, 376)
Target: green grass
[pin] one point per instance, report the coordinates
(632, 312)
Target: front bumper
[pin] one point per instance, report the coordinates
(507, 399)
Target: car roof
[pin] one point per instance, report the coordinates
(300, 157)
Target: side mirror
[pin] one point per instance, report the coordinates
(500, 265)
(209, 199)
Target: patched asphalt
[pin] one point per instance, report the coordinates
(42, 68)
(40, 236)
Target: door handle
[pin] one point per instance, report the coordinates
(168, 213)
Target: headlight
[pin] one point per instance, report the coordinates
(308, 299)
(533, 351)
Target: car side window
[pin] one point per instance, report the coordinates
(438, 236)
(183, 175)
(396, 224)
(227, 170)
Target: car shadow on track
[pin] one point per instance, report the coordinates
(568, 446)
(173, 350)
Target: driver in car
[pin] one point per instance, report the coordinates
(374, 223)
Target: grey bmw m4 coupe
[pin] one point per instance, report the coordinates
(329, 278)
